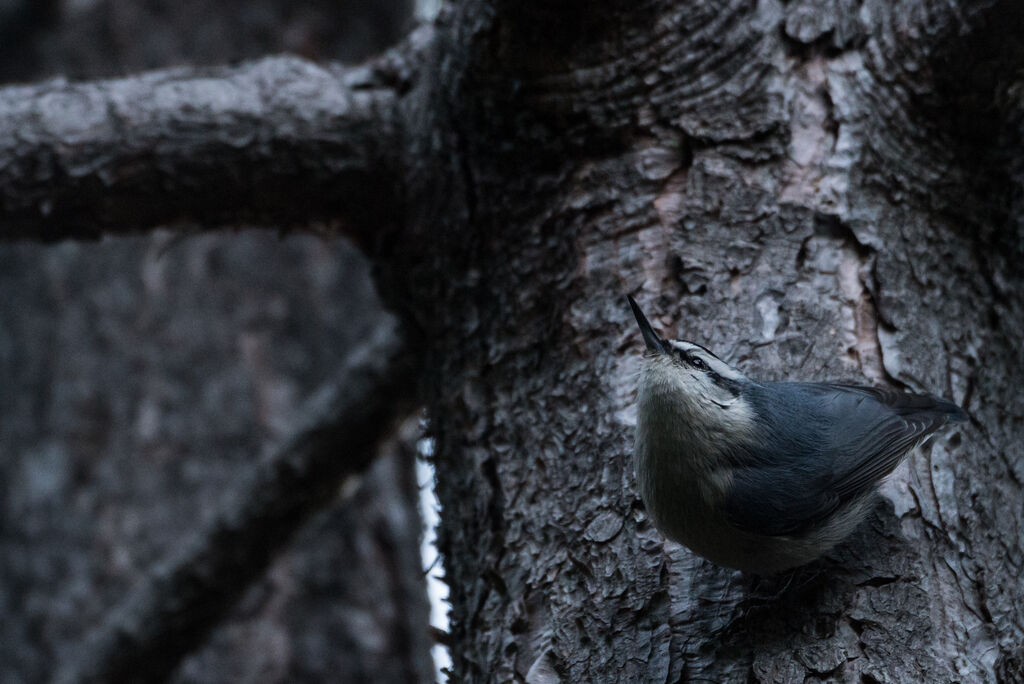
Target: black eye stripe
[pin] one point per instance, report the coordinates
(692, 360)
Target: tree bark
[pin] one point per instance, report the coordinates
(816, 192)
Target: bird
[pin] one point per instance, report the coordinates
(764, 476)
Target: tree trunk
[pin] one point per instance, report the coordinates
(813, 191)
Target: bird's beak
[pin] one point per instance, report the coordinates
(654, 343)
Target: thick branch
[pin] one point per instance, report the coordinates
(275, 142)
(182, 599)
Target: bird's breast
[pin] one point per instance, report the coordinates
(681, 482)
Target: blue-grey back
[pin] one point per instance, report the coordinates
(820, 446)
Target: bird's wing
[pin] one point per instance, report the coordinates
(765, 501)
(848, 438)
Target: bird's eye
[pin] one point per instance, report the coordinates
(698, 363)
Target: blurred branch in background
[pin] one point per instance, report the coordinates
(180, 600)
(275, 142)
(140, 375)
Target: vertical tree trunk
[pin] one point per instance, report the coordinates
(813, 191)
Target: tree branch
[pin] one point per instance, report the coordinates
(180, 600)
(276, 142)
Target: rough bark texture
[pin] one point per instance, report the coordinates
(814, 190)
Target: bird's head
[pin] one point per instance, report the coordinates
(682, 371)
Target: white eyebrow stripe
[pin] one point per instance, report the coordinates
(683, 345)
(714, 363)
(722, 368)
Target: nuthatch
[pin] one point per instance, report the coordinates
(764, 476)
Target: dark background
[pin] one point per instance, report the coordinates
(140, 377)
